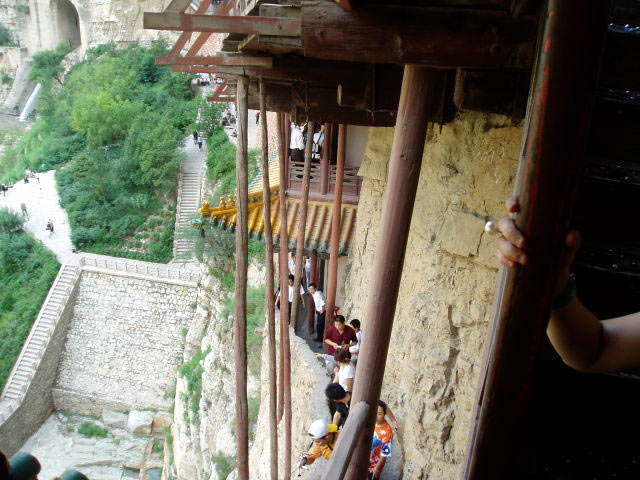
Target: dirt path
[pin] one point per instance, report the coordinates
(41, 199)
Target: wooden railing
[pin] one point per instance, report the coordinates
(343, 450)
(351, 181)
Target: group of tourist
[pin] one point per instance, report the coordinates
(298, 141)
(343, 343)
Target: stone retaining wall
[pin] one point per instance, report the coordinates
(124, 343)
(38, 403)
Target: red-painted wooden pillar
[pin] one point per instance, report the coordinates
(404, 171)
(548, 175)
(336, 214)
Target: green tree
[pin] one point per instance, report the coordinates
(47, 65)
(151, 144)
(104, 118)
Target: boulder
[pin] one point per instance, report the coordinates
(139, 422)
(114, 419)
(162, 420)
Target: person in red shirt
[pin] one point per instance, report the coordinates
(340, 335)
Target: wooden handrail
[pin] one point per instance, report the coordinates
(343, 450)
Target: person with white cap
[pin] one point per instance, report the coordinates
(324, 438)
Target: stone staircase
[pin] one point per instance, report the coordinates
(35, 345)
(188, 201)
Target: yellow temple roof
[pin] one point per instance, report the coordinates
(318, 231)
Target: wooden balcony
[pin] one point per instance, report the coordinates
(323, 181)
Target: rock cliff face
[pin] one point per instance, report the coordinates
(203, 432)
(448, 281)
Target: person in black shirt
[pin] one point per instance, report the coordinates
(339, 402)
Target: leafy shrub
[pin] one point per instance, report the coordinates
(192, 371)
(92, 430)
(224, 465)
(9, 220)
(6, 39)
(27, 270)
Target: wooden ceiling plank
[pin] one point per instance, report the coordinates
(265, 62)
(436, 37)
(221, 24)
(193, 69)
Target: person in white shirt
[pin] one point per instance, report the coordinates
(297, 144)
(290, 282)
(319, 301)
(318, 140)
(291, 263)
(355, 349)
(307, 270)
(346, 372)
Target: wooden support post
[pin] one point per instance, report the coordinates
(404, 172)
(313, 279)
(336, 213)
(268, 292)
(240, 324)
(324, 159)
(554, 140)
(302, 225)
(283, 268)
(347, 441)
(284, 309)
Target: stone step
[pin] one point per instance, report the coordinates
(11, 395)
(15, 389)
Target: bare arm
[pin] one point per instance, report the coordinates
(349, 382)
(580, 338)
(380, 465)
(588, 344)
(392, 417)
(336, 418)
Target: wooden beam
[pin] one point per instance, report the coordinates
(438, 37)
(285, 352)
(240, 323)
(492, 91)
(193, 69)
(346, 5)
(185, 36)
(557, 128)
(269, 292)
(235, 60)
(397, 209)
(221, 24)
(302, 225)
(178, 6)
(343, 450)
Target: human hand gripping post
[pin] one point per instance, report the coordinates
(580, 338)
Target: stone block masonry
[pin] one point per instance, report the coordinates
(124, 343)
